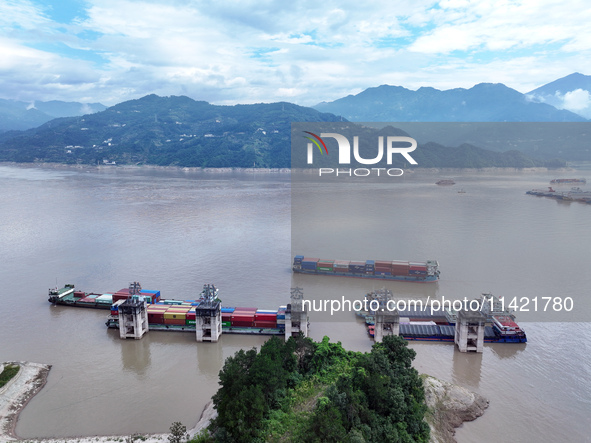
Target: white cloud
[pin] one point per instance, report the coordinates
(22, 13)
(576, 100)
(254, 51)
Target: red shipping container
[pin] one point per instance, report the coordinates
(174, 321)
(156, 319)
(265, 317)
(399, 272)
(88, 300)
(382, 263)
(118, 296)
(243, 324)
(243, 318)
(265, 324)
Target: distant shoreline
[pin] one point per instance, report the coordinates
(414, 170)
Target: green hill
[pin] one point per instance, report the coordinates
(179, 131)
(166, 131)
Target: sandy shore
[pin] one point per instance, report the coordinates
(30, 379)
(15, 395)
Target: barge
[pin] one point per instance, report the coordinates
(422, 324)
(171, 314)
(575, 194)
(445, 181)
(377, 269)
(560, 181)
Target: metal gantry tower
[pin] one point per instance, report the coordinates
(296, 315)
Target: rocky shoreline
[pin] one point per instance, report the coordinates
(449, 406)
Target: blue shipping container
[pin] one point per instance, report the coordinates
(415, 272)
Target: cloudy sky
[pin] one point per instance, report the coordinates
(305, 52)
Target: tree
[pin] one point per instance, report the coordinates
(178, 433)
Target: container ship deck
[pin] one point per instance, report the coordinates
(424, 325)
(378, 269)
(174, 315)
(179, 316)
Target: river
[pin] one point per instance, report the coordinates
(175, 230)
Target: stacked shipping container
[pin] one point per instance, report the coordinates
(371, 267)
(183, 314)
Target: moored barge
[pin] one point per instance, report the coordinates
(377, 269)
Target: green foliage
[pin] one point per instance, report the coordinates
(300, 390)
(178, 433)
(202, 437)
(7, 374)
(166, 131)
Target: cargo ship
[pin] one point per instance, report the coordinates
(446, 181)
(182, 316)
(171, 314)
(561, 181)
(424, 325)
(575, 194)
(386, 270)
(69, 296)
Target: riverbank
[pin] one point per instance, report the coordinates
(15, 395)
(31, 378)
(449, 407)
(101, 167)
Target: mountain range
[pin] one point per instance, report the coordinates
(19, 115)
(572, 92)
(166, 131)
(184, 132)
(485, 102)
